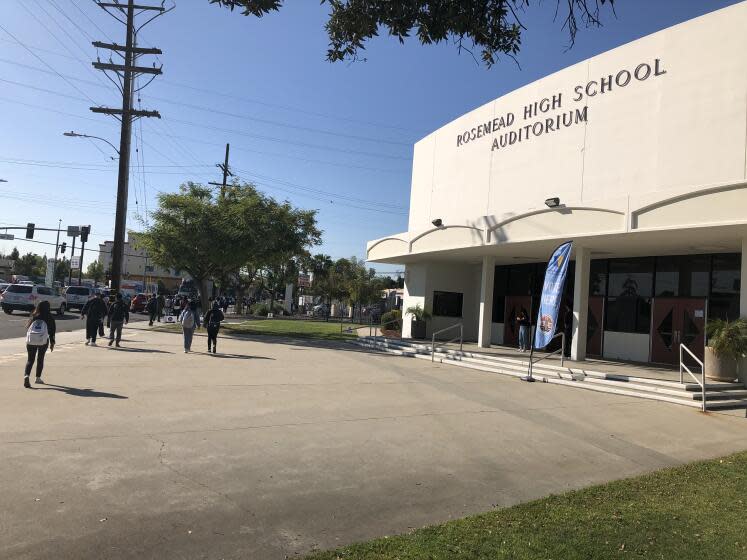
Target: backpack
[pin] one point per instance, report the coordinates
(215, 319)
(37, 335)
(188, 320)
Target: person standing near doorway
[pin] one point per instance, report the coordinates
(94, 311)
(567, 329)
(39, 337)
(119, 316)
(212, 323)
(523, 321)
(190, 321)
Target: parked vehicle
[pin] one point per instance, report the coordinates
(77, 296)
(320, 310)
(3, 286)
(137, 305)
(23, 297)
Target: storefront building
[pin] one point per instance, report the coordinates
(638, 155)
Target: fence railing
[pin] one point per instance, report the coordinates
(532, 361)
(460, 338)
(684, 368)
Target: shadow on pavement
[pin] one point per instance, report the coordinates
(147, 350)
(238, 356)
(75, 392)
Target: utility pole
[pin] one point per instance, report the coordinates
(226, 173)
(56, 249)
(126, 73)
(70, 272)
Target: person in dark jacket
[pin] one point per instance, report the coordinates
(152, 308)
(161, 303)
(37, 343)
(119, 315)
(94, 311)
(212, 321)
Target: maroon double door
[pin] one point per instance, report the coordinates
(677, 321)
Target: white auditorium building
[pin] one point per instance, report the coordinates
(637, 155)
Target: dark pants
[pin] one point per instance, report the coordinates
(116, 330)
(153, 316)
(35, 353)
(212, 333)
(92, 328)
(188, 334)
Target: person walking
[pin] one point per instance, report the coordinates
(190, 321)
(152, 308)
(161, 301)
(225, 304)
(39, 338)
(119, 315)
(523, 322)
(94, 311)
(212, 323)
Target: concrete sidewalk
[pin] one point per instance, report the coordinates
(275, 449)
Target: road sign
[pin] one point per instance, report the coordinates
(7, 236)
(73, 231)
(49, 280)
(75, 262)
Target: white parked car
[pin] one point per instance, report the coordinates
(77, 296)
(23, 297)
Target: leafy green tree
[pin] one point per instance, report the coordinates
(30, 264)
(493, 26)
(62, 270)
(231, 237)
(95, 271)
(14, 255)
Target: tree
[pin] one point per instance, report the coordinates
(494, 26)
(226, 237)
(62, 270)
(95, 271)
(14, 255)
(29, 264)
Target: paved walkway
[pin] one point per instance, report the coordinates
(275, 449)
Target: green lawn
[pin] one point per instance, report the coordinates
(693, 512)
(285, 328)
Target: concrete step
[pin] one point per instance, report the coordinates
(727, 397)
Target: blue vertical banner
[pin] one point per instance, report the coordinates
(552, 293)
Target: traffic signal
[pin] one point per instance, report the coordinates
(63, 247)
(29, 230)
(84, 231)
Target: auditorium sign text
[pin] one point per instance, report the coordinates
(550, 114)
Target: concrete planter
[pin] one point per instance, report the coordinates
(742, 371)
(417, 329)
(719, 369)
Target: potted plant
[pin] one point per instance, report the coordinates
(727, 346)
(419, 317)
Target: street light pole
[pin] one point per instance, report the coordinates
(73, 134)
(56, 249)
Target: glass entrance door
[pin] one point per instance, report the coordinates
(677, 321)
(515, 304)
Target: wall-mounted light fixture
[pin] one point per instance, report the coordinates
(438, 222)
(552, 202)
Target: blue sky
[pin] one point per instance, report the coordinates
(336, 137)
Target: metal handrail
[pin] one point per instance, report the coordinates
(532, 362)
(687, 369)
(460, 338)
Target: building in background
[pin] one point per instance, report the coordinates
(637, 155)
(137, 266)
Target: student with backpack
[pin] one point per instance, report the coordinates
(189, 320)
(94, 311)
(119, 315)
(39, 337)
(212, 322)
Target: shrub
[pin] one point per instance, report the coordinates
(728, 338)
(392, 320)
(262, 309)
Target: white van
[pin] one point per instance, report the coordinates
(23, 297)
(77, 296)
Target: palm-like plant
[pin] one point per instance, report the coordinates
(418, 313)
(728, 338)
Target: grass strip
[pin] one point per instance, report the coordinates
(696, 511)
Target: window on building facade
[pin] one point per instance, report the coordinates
(447, 304)
(630, 287)
(682, 276)
(499, 293)
(723, 302)
(598, 278)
